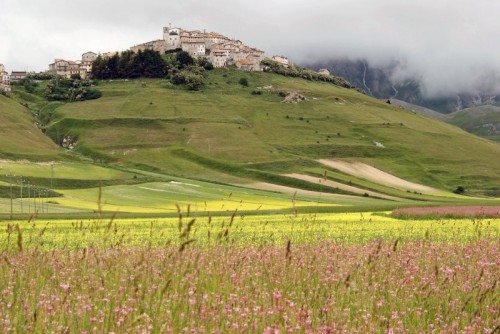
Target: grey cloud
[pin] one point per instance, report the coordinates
(450, 45)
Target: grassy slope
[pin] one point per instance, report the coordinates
(19, 137)
(418, 109)
(482, 121)
(150, 123)
(227, 135)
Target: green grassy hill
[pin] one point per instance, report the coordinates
(144, 137)
(229, 133)
(419, 109)
(483, 121)
(20, 137)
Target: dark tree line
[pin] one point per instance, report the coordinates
(177, 66)
(130, 65)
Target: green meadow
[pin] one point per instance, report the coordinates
(228, 210)
(147, 145)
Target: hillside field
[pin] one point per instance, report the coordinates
(146, 141)
(229, 206)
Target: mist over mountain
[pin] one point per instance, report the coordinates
(393, 81)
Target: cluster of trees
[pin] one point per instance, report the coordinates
(129, 65)
(59, 88)
(71, 90)
(177, 66)
(299, 72)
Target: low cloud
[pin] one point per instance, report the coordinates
(450, 45)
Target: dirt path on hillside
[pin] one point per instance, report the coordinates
(291, 190)
(373, 174)
(333, 184)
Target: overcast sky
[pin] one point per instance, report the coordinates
(451, 45)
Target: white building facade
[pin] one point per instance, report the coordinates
(4, 80)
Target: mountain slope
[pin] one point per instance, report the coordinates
(232, 133)
(378, 81)
(421, 110)
(482, 121)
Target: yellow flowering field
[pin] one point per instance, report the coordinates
(236, 228)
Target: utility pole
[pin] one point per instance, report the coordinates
(46, 200)
(39, 199)
(52, 176)
(21, 188)
(10, 183)
(29, 198)
(34, 198)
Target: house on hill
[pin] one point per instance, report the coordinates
(86, 63)
(245, 65)
(4, 80)
(18, 75)
(64, 68)
(282, 60)
(324, 71)
(67, 68)
(196, 49)
(89, 56)
(219, 58)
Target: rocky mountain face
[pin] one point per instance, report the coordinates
(376, 82)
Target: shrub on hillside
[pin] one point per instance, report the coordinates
(71, 90)
(202, 62)
(44, 76)
(304, 73)
(184, 59)
(243, 82)
(191, 80)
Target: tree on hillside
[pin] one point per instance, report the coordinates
(137, 67)
(184, 59)
(98, 67)
(112, 67)
(125, 64)
(154, 65)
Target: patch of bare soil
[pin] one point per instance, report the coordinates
(339, 185)
(294, 97)
(373, 174)
(291, 190)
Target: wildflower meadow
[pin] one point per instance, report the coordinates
(369, 274)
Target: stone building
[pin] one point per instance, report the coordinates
(4, 80)
(282, 60)
(324, 71)
(196, 49)
(66, 68)
(157, 45)
(86, 63)
(219, 58)
(18, 75)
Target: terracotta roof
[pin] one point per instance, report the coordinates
(245, 62)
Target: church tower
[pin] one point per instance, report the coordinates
(172, 37)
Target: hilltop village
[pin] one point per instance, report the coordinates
(220, 50)
(216, 48)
